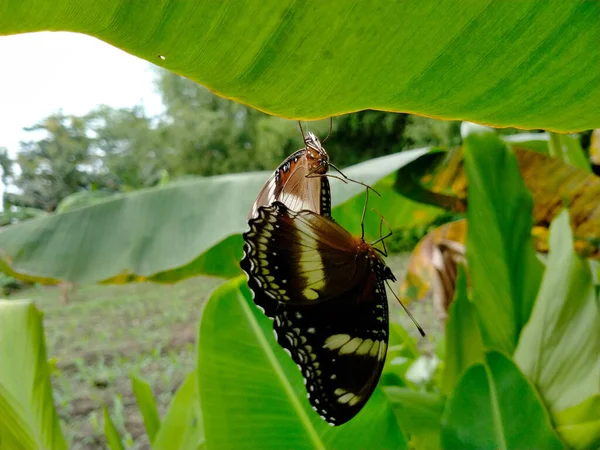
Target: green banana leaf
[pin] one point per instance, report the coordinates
(530, 64)
(186, 228)
(253, 396)
(560, 345)
(504, 268)
(28, 419)
(494, 407)
(463, 338)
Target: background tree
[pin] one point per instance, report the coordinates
(198, 133)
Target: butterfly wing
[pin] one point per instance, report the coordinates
(301, 257)
(290, 185)
(339, 346)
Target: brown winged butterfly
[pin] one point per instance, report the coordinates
(301, 180)
(298, 182)
(325, 291)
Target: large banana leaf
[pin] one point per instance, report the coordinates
(463, 338)
(502, 262)
(253, 396)
(531, 63)
(495, 407)
(169, 233)
(560, 346)
(28, 419)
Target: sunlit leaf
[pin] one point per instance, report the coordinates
(164, 233)
(560, 345)
(146, 404)
(182, 427)
(505, 272)
(463, 339)
(530, 63)
(579, 425)
(495, 407)
(28, 419)
(252, 394)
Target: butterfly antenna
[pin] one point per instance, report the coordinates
(407, 312)
(302, 132)
(330, 128)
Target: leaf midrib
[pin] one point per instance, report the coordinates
(496, 413)
(304, 419)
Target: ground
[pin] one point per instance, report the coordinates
(107, 332)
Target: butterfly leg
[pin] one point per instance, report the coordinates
(381, 237)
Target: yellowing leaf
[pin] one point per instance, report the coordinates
(433, 266)
(553, 184)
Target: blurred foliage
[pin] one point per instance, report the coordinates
(121, 149)
(9, 284)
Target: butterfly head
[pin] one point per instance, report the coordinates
(316, 155)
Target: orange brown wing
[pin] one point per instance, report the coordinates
(302, 257)
(290, 185)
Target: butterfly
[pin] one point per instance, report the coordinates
(324, 289)
(299, 181)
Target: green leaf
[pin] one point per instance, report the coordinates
(401, 354)
(495, 407)
(463, 339)
(145, 401)
(419, 415)
(530, 63)
(567, 149)
(504, 268)
(182, 427)
(159, 234)
(579, 425)
(252, 394)
(28, 419)
(81, 199)
(113, 439)
(559, 347)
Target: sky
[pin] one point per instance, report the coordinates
(41, 73)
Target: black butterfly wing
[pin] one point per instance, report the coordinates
(290, 185)
(339, 340)
(339, 346)
(301, 257)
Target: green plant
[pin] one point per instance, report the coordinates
(480, 61)
(510, 385)
(499, 366)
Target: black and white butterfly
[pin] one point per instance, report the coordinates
(325, 291)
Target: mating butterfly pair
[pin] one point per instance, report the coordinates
(323, 288)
